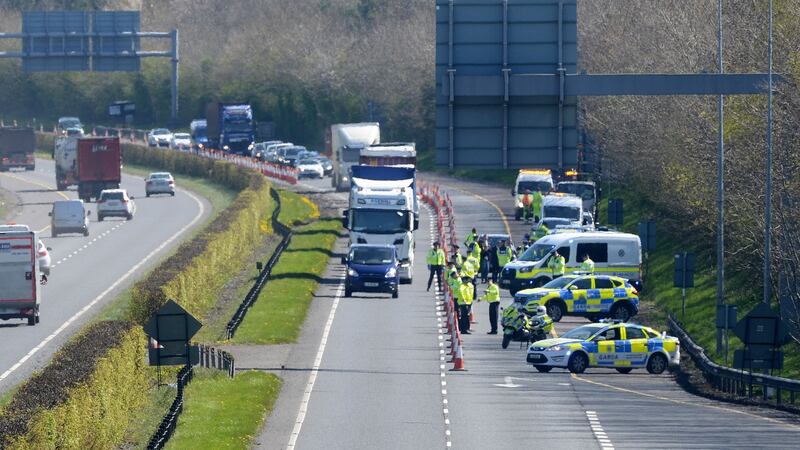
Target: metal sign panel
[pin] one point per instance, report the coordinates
(55, 41)
(114, 45)
(497, 38)
(171, 328)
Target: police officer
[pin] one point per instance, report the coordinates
(485, 259)
(527, 205)
(470, 269)
(457, 258)
(587, 265)
(502, 256)
(454, 281)
(536, 203)
(541, 230)
(492, 297)
(466, 293)
(471, 237)
(435, 260)
(557, 265)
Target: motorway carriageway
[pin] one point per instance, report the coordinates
(87, 271)
(366, 373)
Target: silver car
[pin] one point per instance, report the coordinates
(159, 183)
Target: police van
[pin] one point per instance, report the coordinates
(613, 253)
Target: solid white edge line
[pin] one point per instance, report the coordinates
(312, 377)
(119, 281)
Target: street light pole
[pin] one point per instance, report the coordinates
(768, 194)
(720, 184)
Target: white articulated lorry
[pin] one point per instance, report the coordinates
(381, 211)
(20, 293)
(347, 141)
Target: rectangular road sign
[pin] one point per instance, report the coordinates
(114, 46)
(55, 41)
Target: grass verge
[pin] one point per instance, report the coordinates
(700, 319)
(224, 413)
(279, 313)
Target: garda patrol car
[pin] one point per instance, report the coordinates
(622, 346)
(613, 253)
(592, 296)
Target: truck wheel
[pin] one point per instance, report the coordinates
(100, 218)
(172, 194)
(31, 168)
(31, 321)
(54, 233)
(147, 194)
(348, 293)
(86, 232)
(129, 217)
(61, 187)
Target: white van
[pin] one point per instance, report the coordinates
(562, 206)
(613, 253)
(69, 216)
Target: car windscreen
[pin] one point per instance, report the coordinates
(584, 191)
(582, 333)
(371, 256)
(112, 196)
(292, 153)
(533, 186)
(182, 136)
(562, 211)
(536, 252)
(67, 123)
(160, 131)
(310, 162)
(351, 154)
(159, 176)
(559, 283)
(551, 223)
(380, 221)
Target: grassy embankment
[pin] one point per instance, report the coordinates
(701, 300)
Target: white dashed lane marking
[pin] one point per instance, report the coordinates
(599, 433)
(86, 246)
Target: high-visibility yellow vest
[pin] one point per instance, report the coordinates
(466, 293)
(435, 257)
(558, 265)
(504, 256)
(492, 294)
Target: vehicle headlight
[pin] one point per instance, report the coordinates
(556, 348)
(352, 273)
(226, 147)
(391, 273)
(250, 147)
(201, 146)
(526, 269)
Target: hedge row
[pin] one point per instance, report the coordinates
(91, 391)
(70, 368)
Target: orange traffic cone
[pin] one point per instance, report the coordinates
(458, 361)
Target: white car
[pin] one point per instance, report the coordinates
(310, 168)
(181, 141)
(43, 251)
(114, 202)
(159, 183)
(159, 137)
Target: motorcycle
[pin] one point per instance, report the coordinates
(518, 327)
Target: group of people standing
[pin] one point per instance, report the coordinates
(464, 272)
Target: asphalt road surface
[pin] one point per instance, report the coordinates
(88, 271)
(367, 374)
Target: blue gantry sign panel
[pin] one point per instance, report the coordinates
(56, 41)
(114, 45)
(481, 45)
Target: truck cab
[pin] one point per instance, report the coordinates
(530, 180)
(586, 190)
(562, 206)
(347, 141)
(381, 213)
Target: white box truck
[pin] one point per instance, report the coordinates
(381, 212)
(20, 293)
(347, 141)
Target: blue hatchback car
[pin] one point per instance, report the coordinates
(371, 268)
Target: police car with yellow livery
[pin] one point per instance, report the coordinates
(613, 253)
(591, 296)
(621, 346)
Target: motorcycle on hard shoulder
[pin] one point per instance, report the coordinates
(519, 327)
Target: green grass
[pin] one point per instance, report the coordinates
(224, 413)
(220, 198)
(700, 319)
(279, 313)
(296, 209)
